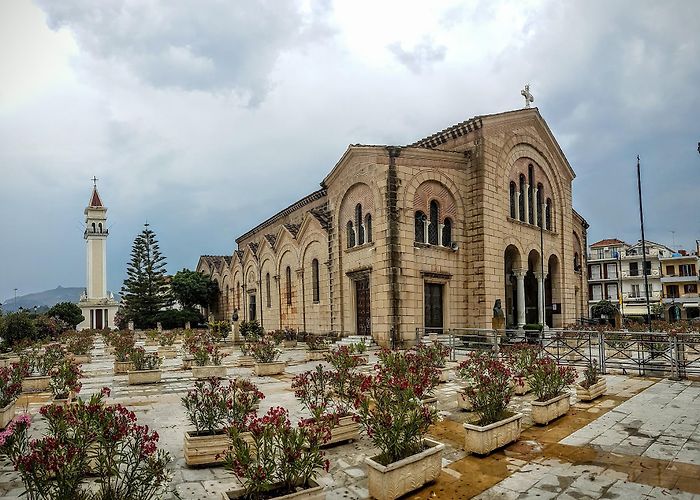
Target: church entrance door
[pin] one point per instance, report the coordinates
(252, 309)
(433, 307)
(362, 303)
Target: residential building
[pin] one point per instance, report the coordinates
(604, 278)
(680, 280)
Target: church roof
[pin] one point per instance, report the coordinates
(323, 215)
(95, 200)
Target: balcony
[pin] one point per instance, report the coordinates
(680, 279)
(90, 232)
(639, 297)
(688, 298)
(654, 273)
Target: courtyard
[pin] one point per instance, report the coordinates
(640, 440)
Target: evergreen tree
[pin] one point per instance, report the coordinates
(145, 291)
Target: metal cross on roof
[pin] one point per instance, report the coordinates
(527, 95)
(94, 181)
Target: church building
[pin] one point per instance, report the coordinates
(97, 306)
(400, 240)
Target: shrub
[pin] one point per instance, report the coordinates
(413, 367)
(548, 380)
(392, 415)
(18, 326)
(265, 350)
(282, 457)
(435, 353)
(220, 329)
(211, 406)
(314, 390)
(49, 328)
(10, 385)
(167, 338)
(34, 362)
(78, 343)
(251, 331)
(145, 361)
(521, 358)
(174, 318)
(65, 378)
(204, 350)
(68, 312)
(490, 388)
(316, 342)
(123, 343)
(590, 376)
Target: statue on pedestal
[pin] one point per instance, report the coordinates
(235, 325)
(499, 320)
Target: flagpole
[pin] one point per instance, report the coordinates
(644, 245)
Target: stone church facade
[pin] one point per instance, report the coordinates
(424, 236)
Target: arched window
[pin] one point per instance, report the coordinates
(433, 227)
(531, 187)
(577, 264)
(351, 234)
(268, 295)
(420, 227)
(521, 207)
(540, 197)
(447, 233)
(316, 282)
(99, 226)
(358, 225)
(227, 297)
(368, 227)
(288, 276)
(513, 208)
(238, 296)
(548, 215)
(93, 228)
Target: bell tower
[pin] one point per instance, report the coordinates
(98, 307)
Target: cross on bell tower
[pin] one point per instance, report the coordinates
(527, 95)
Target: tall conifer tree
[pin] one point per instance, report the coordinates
(145, 291)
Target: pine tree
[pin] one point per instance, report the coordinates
(145, 291)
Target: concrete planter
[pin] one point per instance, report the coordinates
(444, 374)
(274, 368)
(544, 412)
(138, 377)
(36, 384)
(209, 449)
(316, 355)
(431, 401)
(289, 343)
(7, 414)
(521, 390)
(167, 351)
(122, 367)
(245, 361)
(187, 362)
(312, 492)
(463, 402)
(593, 392)
(388, 482)
(482, 440)
(64, 401)
(345, 430)
(80, 359)
(210, 371)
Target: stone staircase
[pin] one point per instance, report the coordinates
(358, 339)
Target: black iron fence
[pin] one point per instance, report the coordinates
(641, 353)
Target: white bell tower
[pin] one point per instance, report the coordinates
(98, 307)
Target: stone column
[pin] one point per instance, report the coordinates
(520, 295)
(517, 205)
(440, 228)
(426, 228)
(540, 297)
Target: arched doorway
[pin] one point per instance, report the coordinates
(531, 288)
(552, 293)
(512, 263)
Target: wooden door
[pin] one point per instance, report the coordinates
(362, 302)
(433, 308)
(98, 319)
(252, 308)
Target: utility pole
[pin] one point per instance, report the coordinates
(15, 299)
(644, 245)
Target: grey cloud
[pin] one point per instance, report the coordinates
(422, 56)
(207, 45)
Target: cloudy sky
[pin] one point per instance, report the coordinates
(206, 117)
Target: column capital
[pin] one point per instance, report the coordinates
(519, 273)
(541, 276)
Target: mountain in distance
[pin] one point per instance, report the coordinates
(46, 299)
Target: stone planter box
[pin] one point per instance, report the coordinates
(204, 449)
(289, 343)
(122, 367)
(444, 374)
(544, 412)
(151, 342)
(482, 440)
(312, 492)
(593, 392)
(7, 414)
(463, 402)
(388, 482)
(168, 352)
(36, 384)
(316, 355)
(210, 371)
(80, 359)
(187, 362)
(137, 377)
(274, 368)
(245, 361)
(64, 401)
(521, 390)
(345, 430)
